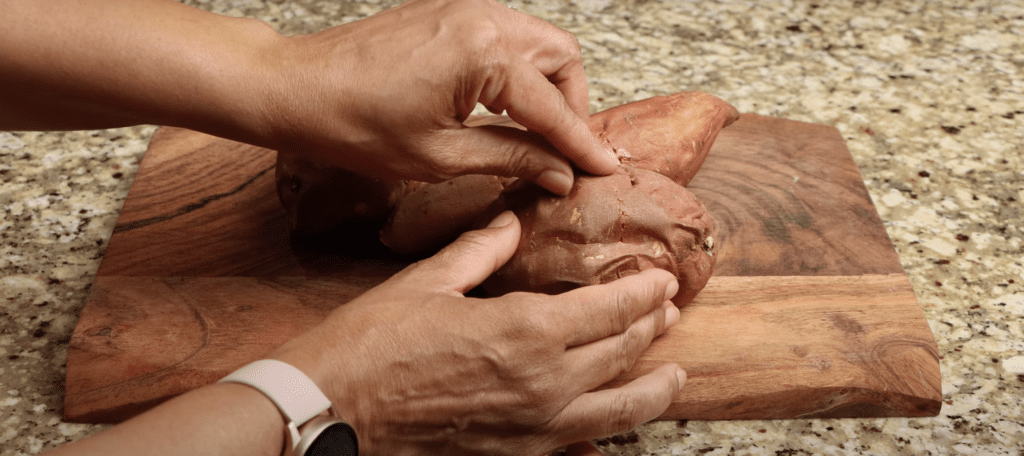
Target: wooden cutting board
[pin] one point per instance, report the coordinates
(809, 313)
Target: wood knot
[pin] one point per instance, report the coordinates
(845, 323)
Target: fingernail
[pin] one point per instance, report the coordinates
(503, 219)
(680, 376)
(555, 181)
(672, 288)
(604, 151)
(671, 314)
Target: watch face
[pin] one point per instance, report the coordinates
(338, 439)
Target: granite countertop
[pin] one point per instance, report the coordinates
(928, 96)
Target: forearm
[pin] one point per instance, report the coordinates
(87, 64)
(223, 419)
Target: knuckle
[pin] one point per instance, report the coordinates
(520, 160)
(531, 322)
(620, 316)
(493, 72)
(481, 35)
(523, 324)
(541, 397)
(642, 289)
(475, 240)
(426, 267)
(572, 46)
(440, 155)
(631, 344)
(648, 289)
(625, 412)
(485, 37)
(537, 399)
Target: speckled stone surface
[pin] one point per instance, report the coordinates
(927, 94)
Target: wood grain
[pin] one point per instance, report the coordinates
(809, 312)
(789, 200)
(781, 347)
(200, 206)
(754, 347)
(142, 340)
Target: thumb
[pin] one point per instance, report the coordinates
(511, 152)
(473, 257)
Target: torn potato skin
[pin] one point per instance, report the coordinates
(668, 134)
(606, 228)
(671, 134)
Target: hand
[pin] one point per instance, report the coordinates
(417, 368)
(387, 96)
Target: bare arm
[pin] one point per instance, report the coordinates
(87, 64)
(103, 63)
(223, 419)
(384, 96)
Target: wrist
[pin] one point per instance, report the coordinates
(306, 354)
(311, 426)
(241, 86)
(260, 413)
(310, 99)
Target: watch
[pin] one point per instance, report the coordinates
(309, 431)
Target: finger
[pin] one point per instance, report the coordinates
(555, 53)
(572, 82)
(601, 361)
(582, 449)
(469, 260)
(511, 152)
(533, 101)
(599, 311)
(612, 411)
(570, 78)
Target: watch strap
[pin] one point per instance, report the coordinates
(294, 394)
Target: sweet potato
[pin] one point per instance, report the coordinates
(320, 199)
(608, 227)
(435, 214)
(671, 134)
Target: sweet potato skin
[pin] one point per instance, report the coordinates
(433, 215)
(670, 135)
(606, 228)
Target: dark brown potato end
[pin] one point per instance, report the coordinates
(323, 199)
